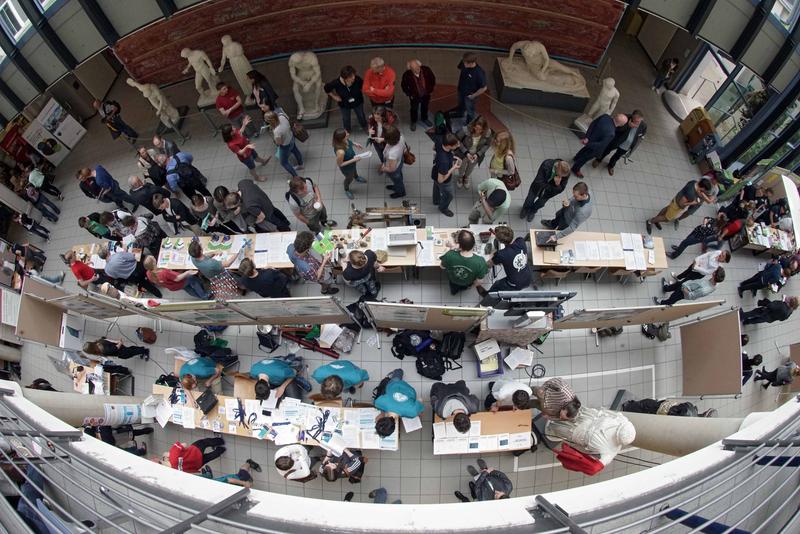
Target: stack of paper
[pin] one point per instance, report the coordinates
(486, 348)
(519, 357)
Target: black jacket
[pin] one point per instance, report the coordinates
(144, 196)
(178, 213)
(441, 393)
(621, 133)
(346, 93)
(409, 86)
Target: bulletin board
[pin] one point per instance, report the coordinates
(203, 312)
(794, 355)
(294, 310)
(608, 317)
(711, 351)
(93, 306)
(37, 320)
(422, 317)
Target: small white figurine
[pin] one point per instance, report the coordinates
(606, 101)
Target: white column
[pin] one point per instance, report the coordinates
(72, 408)
(677, 436)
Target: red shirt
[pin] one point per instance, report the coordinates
(239, 142)
(189, 459)
(167, 278)
(82, 271)
(227, 101)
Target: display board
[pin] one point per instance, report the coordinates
(794, 355)
(94, 306)
(608, 317)
(57, 120)
(711, 351)
(37, 320)
(422, 317)
(203, 312)
(294, 310)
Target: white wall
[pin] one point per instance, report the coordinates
(655, 35)
(764, 48)
(129, 16)
(727, 22)
(73, 26)
(18, 83)
(788, 72)
(676, 11)
(42, 59)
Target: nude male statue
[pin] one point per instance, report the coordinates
(203, 71)
(307, 84)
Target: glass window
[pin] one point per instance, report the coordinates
(786, 12)
(13, 20)
(781, 123)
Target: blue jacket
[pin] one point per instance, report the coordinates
(350, 374)
(172, 164)
(772, 274)
(400, 398)
(277, 371)
(600, 133)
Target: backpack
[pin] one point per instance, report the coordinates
(452, 346)
(380, 389)
(410, 342)
(268, 341)
(168, 380)
(431, 364)
(146, 335)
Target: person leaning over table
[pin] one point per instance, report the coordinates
(310, 265)
(769, 311)
(279, 377)
(556, 400)
(572, 214)
(223, 285)
(514, 259)
(205, 212)
(336, 376)
(174, 281)
(84, 274)
(125, 268)
(507, 392)
(294, 463)
(454, 400)
(231, 219)
(267, 283)
(772, 273)
(493, 203)
(464, 268)
(201, 368)
(175, 212)
(359, 272)
(394, 397)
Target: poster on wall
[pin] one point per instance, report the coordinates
(45, 143)
(61, 124)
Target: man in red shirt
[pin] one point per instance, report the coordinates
(187, 280)
(192, 458)
(83, 272)
(379, 83)
(229, 104)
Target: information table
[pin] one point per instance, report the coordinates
(505, 430)
(600, 250)
(90, 253)
(762, 237)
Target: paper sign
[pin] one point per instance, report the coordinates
(412, 424)
(503, 442)
(188, 417)
(216, 426)
(231, 428)
(163, 413)
(438, 431)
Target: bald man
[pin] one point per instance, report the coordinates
(600, 133)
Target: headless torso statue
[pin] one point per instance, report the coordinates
(605, 102)
(234, 53)
(599, 432)
(307, 85)
(203, 72)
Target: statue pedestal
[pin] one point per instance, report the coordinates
(536, 93)
(580, 125)
(162, 128)
(321, 120)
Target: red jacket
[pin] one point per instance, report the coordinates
(382, 85)
(409, 86)
(575, 460)
(187, 459)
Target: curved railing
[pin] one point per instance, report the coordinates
(748, 481)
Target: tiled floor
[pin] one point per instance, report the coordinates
(638, 190)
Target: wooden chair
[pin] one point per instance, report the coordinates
(588, 271)
(554, 274)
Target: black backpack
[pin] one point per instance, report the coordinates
(168, 380)
(380, 389)
(410, 343)
(431, 364)
(451, 347)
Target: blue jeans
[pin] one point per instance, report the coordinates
(283, 156)
(397, 179)
(195, 288)
(443, 194)
(359, 111)
(468, 106)
(49, 210)
(691, 240)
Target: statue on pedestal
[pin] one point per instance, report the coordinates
(539, 71)
(240, 65)
(605, 103)
(203, 72)
(307, 85)
(594, 431)
(166, 112)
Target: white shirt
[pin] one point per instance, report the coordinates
(395, 152)
(302, 463)
(283, 130)
(707, 263)
(504, 389)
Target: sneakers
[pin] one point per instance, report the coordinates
(330, 290)
(349, 496)
(445, 212)
(676, 223)
(390, 187)
(595, 163)
(299, 167)
(472, 471)
(460, 496)
(482, 464)
(253, 465)
(349, 195)
(649, 227)
(657, 225)
(656, 301)
(360, 180)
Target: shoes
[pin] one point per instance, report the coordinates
(579, 174)
(676, 223)
(611, 171)
(360, 180)
(482, 464)
(548, 223)
(669, 255)
(523, 214)
(330, 291)
(595, 163)
(472, 471)
(390, 187)
(330, 224)
(253, 465)
(663, 284)
(657, 225)
(467, 184)
(447, 213)
(143, 446)
(397, 195)
(413, 126)
(349, 496)
(427, 123)
(481, 291)
(460, 496)
(349, 195)
(649, 227)
(656, 301)
(674, 247)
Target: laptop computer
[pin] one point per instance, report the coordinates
(543, 238)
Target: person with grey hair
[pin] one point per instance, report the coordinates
(417, 83)
(379, 83)
(143, 193)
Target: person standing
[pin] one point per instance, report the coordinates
(40, 201)
(769, 311)
(174, 281)
(267, 283)
(346, 90)
(229, 219)
(109, 187)
(691, 289)
(705, 233)
(556, 400)
(475, 139)
(142, 193)
(257, 208)
(703, 265)
(124, 267)
(781, 376)
(165, 146)
(174, 211)
(626, 138)
(359, 272)
(503, 163)
(505, 393)
(293, 463)
(393, 160)
(379, 118)
(551, 179)
(109, 111)
(445, 165)
(514, 259)
(572, 214)
(471, 85)
(206, 213)
(229, 104)
(600, 133)
(243, 148)
(418, 83)
(310, 265)
(180, 173)
(379, 83)
(464, 268)
(285, 140)
(346, 159)
(668, 69)
(264, 95)
(772, 273)
(32, 226)
(223, 285)
(493, 203)
(305, 201)
(689, 195)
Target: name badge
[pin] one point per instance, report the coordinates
(351, 100)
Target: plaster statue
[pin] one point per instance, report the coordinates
(538, 71)
(203, 71)
(604, 103)
(307, 85)
(165, 111)
(594, 431)
(240, 65)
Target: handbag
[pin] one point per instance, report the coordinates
(146, 335)
(207, 401)
(299, 131)
(512, 181)
(268, 342)
(408, 157)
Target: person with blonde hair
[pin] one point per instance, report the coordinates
(346, 159)
(201, 368)
(115, 348)
(503, 162)
(769, 311)
(284, 138)
(359, 272)
(782, 376)
(475, 139)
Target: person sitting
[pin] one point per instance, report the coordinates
(514, 259)
(334, 377)
(310, 265)
(359, 272)
(350, 463)
(124, 267)
(115, 348)
(203, 368)
(691, 289)
(769, 311)
(192, 458)
(454, 400)
(556, 400)
(280, 375)
(293, 463)
(187, 281)
(464, 268)
(267, 283)
(779, 377)
(486, 484)
(394, 398)
(506, 392)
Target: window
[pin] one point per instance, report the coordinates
(786, 12)
(45, 4)
(13, 23)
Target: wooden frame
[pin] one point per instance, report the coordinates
(425, 317)
(712, 356)
(608, 317)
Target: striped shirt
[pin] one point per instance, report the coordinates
(556, 394)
